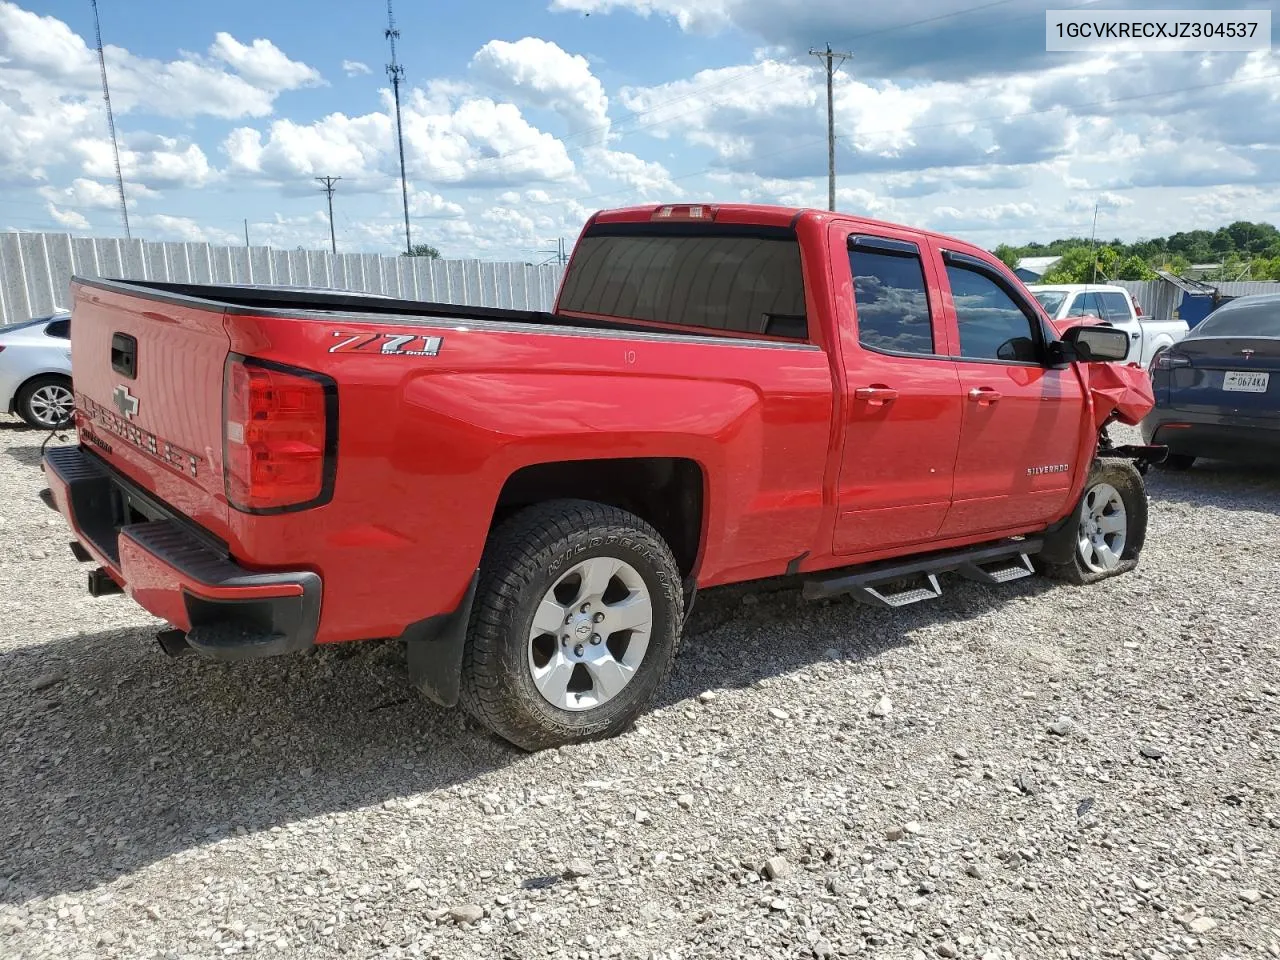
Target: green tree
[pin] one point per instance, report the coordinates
(423, 250)
(1007, 255)
(1133, 267)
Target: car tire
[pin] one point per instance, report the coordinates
(575, 625)
(1111, 524)
(41, 400)
(1177, 461)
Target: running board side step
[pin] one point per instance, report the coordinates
(991, 564)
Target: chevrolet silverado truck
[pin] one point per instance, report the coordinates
(532, 500)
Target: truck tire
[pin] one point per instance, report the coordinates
(1111, 525)
(46, 403)
(575, 625)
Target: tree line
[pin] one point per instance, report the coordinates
(1246, 251)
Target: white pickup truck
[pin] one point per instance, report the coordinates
(1114, 306)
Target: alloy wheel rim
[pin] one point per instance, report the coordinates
(589, 634)
(1104, 526)
(52, 405)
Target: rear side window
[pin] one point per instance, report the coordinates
(1246, 320)
(892, 303)
(992, 325)
(744, 281)
(60, 329)
(1116, 306)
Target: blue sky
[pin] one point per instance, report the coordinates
(523, 117)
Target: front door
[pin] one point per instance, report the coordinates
(1023, 420)
(902, 397)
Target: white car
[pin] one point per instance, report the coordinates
(1114, 306)
(35, 370)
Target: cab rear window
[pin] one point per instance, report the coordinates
(739, 280)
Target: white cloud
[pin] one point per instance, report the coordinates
(697, 15)
(539, 73)
(354, 68)
(42, 61)
(164, 227)
(263, 64)
(88, 194)
(149, 159)
(451, 137)
(423, 203)
(68, 218)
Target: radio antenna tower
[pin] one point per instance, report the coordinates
(396, 74)
(111, 122)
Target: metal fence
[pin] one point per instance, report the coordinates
(36, 269)
(1160, 298)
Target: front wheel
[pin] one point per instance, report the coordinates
(575, 625)
(1111, 525)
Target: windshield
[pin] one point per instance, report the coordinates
(1051, 300)
(1244, 320)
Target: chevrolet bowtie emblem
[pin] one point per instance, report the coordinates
(125, 402)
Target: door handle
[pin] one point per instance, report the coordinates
(984, 395)
(1133, 336)
(876, 396)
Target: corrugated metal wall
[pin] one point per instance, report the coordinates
(36, 268)
(1160, 299)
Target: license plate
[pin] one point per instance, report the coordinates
(1237, 382)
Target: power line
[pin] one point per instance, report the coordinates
(111, 121)
(328, 189)
(396, 73)
(829, 57)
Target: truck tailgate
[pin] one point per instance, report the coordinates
(148, 382)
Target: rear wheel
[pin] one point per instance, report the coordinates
(46, 402)
(575, 625)
(1177, 461)
(1111, 525)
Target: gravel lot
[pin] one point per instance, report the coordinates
(314, 807)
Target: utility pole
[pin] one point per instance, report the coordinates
(1093, 238)
(396, 74)
(111, 122)
(246, 228)
(328, 189)
(829, 56)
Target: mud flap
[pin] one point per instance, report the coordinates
(433, 648)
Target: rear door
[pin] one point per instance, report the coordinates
(902, 396)
(1022, 419)
(1232, 363)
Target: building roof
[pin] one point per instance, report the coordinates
(1037, 265)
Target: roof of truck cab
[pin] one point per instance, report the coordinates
(767, 215)
(1075, 288)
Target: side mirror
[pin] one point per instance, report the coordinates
(1096, 344)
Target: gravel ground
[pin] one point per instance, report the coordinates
(1031, 772)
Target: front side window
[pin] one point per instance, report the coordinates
(892, 303)
(992, 325)
(1086, 305)
(1051, 300)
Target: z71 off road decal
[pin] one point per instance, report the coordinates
(387, 344)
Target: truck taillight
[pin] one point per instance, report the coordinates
(685, 211)
(279, 434)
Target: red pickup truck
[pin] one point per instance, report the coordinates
(531, 500)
